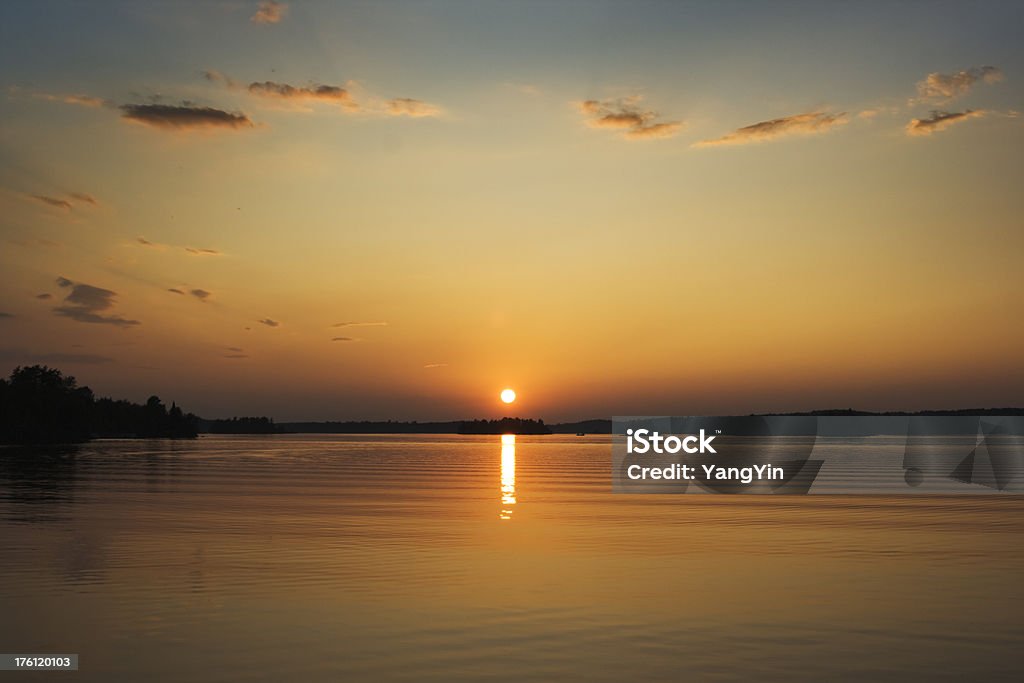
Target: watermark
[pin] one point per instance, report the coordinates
(796, 455)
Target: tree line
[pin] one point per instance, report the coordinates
(39, 404)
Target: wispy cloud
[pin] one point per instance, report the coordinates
(44, 296)
(52, 201)
(270, 12)
(352, 323)
(77, 100)
(268, 322)
(331, 94)
(86, 304)
(201, 294)
(406, 106)
(184, 117)
(195, 251)
(809, 123)
(175, 290)
(627, 116)
(949, 86)
(215, 76)
(66, 202)
(345, 339)
(941, 120)
(435, 365)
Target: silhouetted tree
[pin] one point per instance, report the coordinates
(38, 404)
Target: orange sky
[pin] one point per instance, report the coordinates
(348, 211)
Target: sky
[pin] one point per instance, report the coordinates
(396, 209)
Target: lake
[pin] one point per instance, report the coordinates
(449, 558)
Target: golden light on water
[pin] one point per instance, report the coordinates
(508, 396)
(508, 475)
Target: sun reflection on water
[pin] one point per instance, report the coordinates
(508, 475)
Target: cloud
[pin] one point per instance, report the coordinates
(360, 324)
(270, 12)
(78, 100)
(67, 202)
(940, 120)
(183, 117)
(6, 315)
(406, 106)
(195, 251)
(86, 304)
(344, 339)
(435, 365)
(53, 201)
(84, 198)
(625, 115)
(268, 322)
(175, 290)
(215, 76)
(950, 86)
(200, 294)
(330, 94)
(235, 349)
(44, 296)
(798, 124)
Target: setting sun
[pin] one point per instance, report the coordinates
(508, 396)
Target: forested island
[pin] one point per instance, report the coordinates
(39, 405)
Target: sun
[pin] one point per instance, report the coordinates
(508, 396)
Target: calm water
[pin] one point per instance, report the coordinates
(442, 558)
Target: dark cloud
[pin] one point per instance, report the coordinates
(183, 117)
(332, 94)
(44, 296)
(176, 291)
(86, 304)
(67, 202)
(268, 322)
(344, 339)
(144, 241)
(53, 201)
(949, 86)
(940, 120)
(627, 116)
(797, 124)
(6, 315)
(270, 12)
(200, 294)
(84, 198)
(202, 252)
(215, 76)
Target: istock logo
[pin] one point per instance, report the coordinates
(654, 442)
